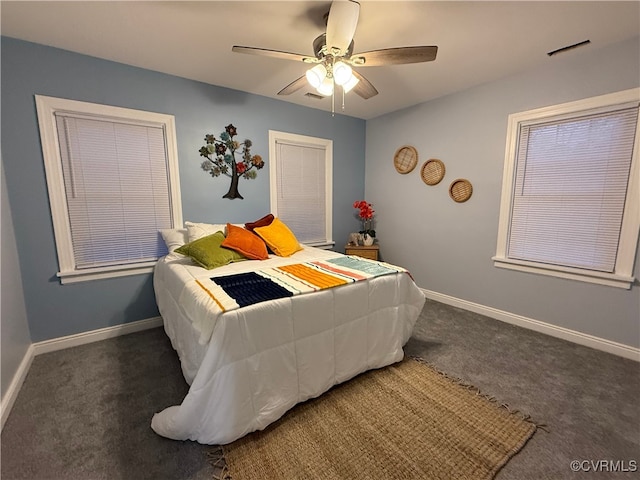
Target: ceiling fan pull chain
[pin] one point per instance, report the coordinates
(333, 102)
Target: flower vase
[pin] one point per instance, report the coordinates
(367, 240)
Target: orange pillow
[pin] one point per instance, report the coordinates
(279, 238)
(245, 242)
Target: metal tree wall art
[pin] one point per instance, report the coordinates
(220, 154)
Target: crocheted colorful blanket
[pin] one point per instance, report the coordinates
(243, 289)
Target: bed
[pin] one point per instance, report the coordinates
(247, 365)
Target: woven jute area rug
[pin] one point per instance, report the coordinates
(404, 421)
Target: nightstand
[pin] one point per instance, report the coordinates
(363, 251)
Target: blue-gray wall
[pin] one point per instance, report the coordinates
(14, 329)
(55, 310)
(448, 246)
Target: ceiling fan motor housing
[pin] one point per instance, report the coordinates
(320, 48)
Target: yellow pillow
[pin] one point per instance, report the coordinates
(279, 238)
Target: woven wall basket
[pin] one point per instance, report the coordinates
(460, 190)
(432, 171)
(405, 159)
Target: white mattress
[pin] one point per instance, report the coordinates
(248, 366)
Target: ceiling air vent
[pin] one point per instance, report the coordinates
(568, 47)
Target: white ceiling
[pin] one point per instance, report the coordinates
(478, 41)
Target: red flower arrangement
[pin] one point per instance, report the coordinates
(366, 214)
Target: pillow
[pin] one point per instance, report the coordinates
(279, 238)
(245, 242)
(174, 237)
(208, 253)
(263, 222)
(199, 230)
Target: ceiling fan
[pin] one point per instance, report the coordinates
(334, 56)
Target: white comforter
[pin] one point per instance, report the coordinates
(247, 367)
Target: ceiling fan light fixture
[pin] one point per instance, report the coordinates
(333, 61)
(326, 87)
(316, 75)
(342, 73)
(349, 84)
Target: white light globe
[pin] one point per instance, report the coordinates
(350, 83)
(341, 73)
(316, 75)
(326, 87)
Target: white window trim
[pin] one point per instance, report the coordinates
(47, 108)
(274, 137)
(623, 276)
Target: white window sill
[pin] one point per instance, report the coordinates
(601, 278)
(323, 245)
(75, 276)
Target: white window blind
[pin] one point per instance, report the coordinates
(570, 188)
(570, 203)
(113, 182)
(116, 184)
(301, 188)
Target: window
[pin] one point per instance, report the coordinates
(301, 185)
(112, 176)
(571, 194)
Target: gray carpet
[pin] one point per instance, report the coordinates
(84, 413)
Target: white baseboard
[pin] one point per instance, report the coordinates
(11, 394)
(95, 335)
(61, 343)
(574, 336)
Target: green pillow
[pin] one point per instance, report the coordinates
(208, 253)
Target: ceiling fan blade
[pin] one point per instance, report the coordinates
(364, 87)
(294, 86)
(341, 25)
(265, 52)
(395, 56)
